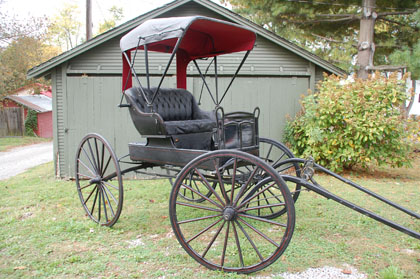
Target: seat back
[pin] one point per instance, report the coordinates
(171, 104)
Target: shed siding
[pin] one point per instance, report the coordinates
(265, 59)
(277, 98)
(58, 119)
(93, 106)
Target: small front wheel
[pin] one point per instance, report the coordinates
(184, 192)
(274, 153)
(99, 180)
(223, 232)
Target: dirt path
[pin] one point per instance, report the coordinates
(20, 159)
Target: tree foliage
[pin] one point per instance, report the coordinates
(409, 55)
(22, 46)
(116, 14)
(331, 28)
(12, 28)
(18, 57)
(353, 123)
(31, 123)
(65, 27)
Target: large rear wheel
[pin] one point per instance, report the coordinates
(224, 231)
(99, 180)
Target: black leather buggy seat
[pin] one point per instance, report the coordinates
(174, 114)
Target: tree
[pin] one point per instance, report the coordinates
(116, 16)
(11, 28)
(331, 29)
(65, 27)
(18, 57)
(22, 46)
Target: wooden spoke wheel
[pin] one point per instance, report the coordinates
(98, 180)
(220, 233)
(275, 153)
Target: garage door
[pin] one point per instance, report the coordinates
(277, 98)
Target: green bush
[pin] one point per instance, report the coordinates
(31, 123)
(346, 124)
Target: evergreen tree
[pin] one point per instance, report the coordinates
(330, 28)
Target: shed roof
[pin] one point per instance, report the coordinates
(39, 103)
(45, 68)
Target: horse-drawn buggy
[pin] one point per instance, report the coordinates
(233, 192)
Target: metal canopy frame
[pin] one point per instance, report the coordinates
(172, 39)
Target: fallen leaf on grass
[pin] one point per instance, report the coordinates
(19, 267)
(346, 271)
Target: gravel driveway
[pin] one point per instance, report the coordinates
(22, 158)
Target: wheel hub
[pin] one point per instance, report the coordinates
(96, 180)
(229, 214)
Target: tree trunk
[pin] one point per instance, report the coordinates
(366, 46)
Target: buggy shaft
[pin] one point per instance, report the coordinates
(325, 193)
(351, 183)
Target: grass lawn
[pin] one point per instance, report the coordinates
(44, 232)
(8, 143)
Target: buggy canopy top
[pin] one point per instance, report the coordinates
(187, 38)
(200, 36)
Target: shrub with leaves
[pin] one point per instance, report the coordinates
(346, 124)
(31, 123)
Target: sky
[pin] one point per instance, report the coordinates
(38, 8)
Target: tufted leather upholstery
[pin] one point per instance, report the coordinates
(176, 107)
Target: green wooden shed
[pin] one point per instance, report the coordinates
(86, 82)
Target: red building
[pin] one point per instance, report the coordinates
(41, 103)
